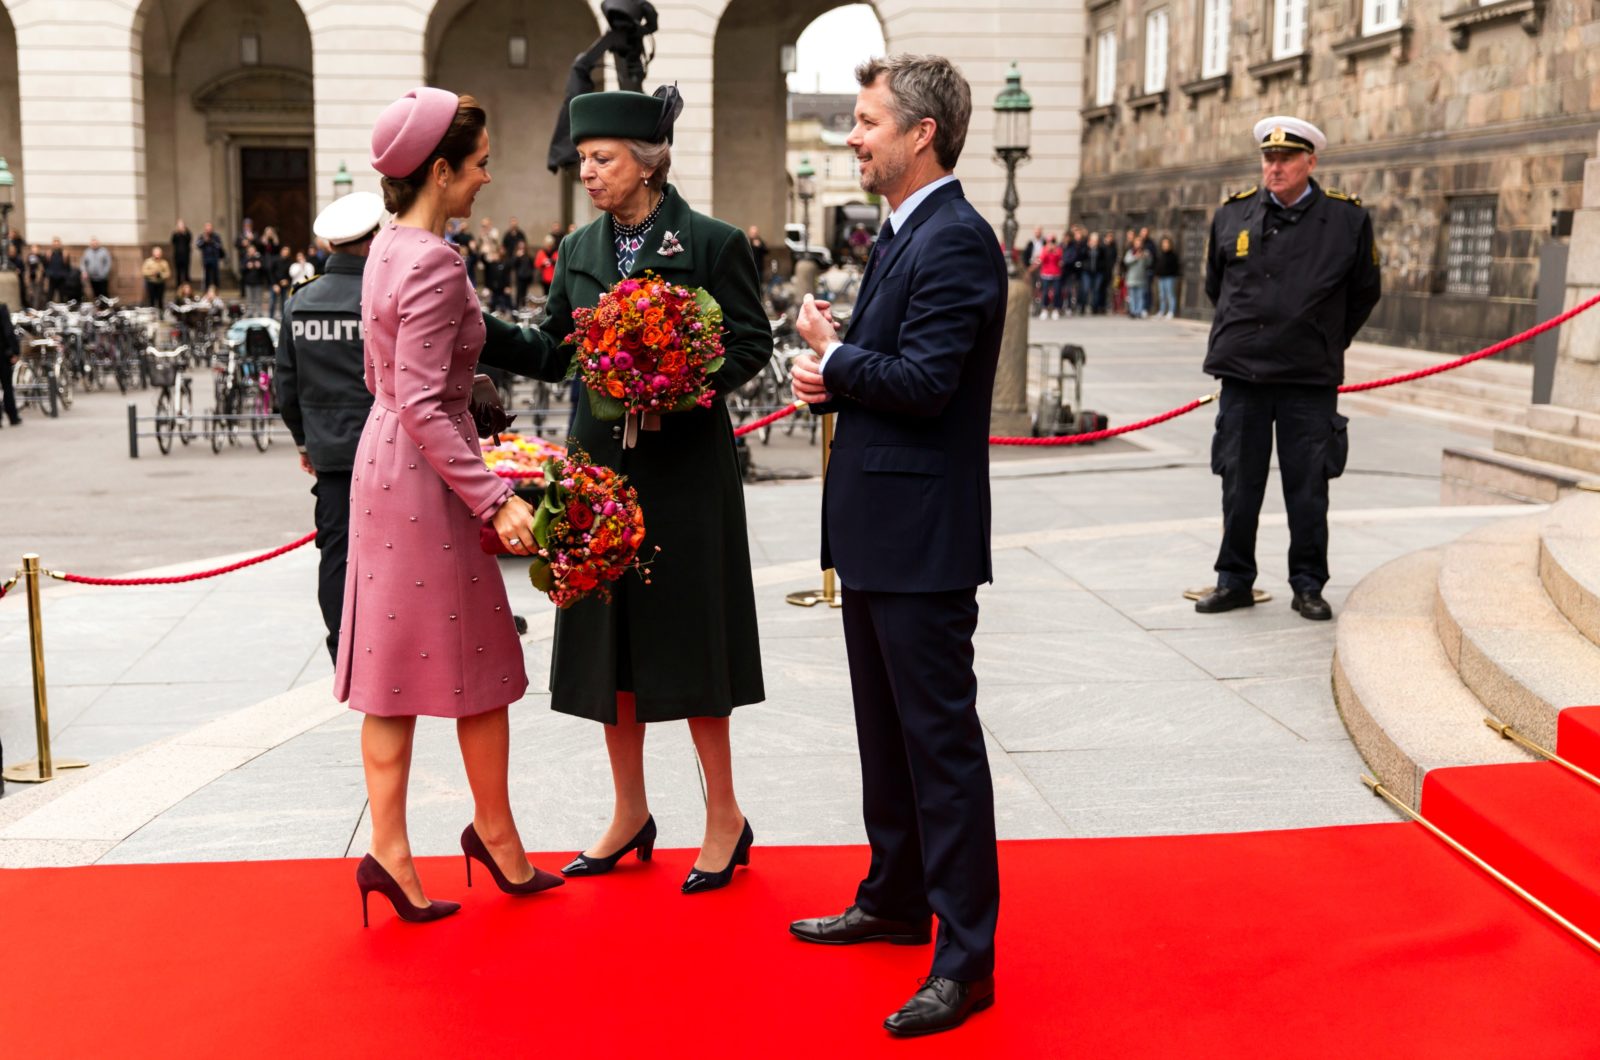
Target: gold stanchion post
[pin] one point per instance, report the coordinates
(44, 767)
(828, 594)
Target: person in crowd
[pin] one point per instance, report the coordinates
(182, 249)
(1072, 252)
(522, 272)
(497, 279)
(35, 280)
(426, 628)
(860, 243)
(254, 279)
(544, 263)
(96, 263)
(1092, 274)
(621, 665)
(301, 271)
(211, 253)
(758, 250)
(1167, 270)
(322, 384)
(246, 240)
(1028, 259)
(512, 236)
(317, 256)
(156, 270)
(10, 354)
(1051, 259)
(1136, 277)
(910, 461)
(1293, 272)
(1110, 272)
(184, 293)
(58, 271)
(279, 279)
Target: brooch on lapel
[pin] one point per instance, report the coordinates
(670, 245)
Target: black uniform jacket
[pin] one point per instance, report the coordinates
(322, 386)
(687, 642)
(906, 500)
(1292, 286)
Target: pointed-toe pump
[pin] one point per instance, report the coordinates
(472, 848)
(644, 843)
(699, 882)
(371, 876)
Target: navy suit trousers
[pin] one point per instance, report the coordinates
(927, 796)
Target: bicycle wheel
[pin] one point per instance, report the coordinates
(26, 382)
(63, 385)
(214, 431)
(260, 405)
(186, 413)
(165, 421)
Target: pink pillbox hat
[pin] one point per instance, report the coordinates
(409, 129)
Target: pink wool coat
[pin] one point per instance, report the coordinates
(426, 628)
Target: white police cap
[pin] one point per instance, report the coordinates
(1284, 133)
(349, 218)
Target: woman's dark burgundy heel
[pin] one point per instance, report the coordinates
(472, 847)
(371, 876)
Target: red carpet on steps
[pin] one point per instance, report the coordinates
(1334, 942)
(1578, 737)
(1534, 821)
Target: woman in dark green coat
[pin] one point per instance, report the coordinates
(685, 645)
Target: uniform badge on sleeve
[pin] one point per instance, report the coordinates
(1241, 246)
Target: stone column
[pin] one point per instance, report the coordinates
(358, 67)
(1577, 378)
(683, 54)
(82, 120)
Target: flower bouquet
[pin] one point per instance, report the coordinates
(520, 458)
(645, 349)
(588, 527)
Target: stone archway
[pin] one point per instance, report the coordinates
(11, 116)
(469, 51)
(227, 97)
(749, 171)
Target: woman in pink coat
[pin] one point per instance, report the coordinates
(426, 626)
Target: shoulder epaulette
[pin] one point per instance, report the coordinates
(1245, 194)
(1335, 193)
(313, 278)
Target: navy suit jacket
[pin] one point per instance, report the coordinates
(905, 506)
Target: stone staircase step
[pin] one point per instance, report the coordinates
(1485, 476)
(1559, 419)
(1487, 414)
(1569, 562)
(1446, 383)
(1474, 425)
(1398, 692)
(1375, 361)
(1552, 448)
(1510, 644)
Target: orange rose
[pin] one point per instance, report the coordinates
(653, 316)
(614, 388)
(652, 336)
(672, 361)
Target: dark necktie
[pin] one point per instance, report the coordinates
(879, 249)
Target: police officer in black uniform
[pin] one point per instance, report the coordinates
(1293, 271)
(322, 384)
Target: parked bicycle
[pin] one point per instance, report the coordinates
(175, 403)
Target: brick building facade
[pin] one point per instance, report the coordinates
(1463, 128)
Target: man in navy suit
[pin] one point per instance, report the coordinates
(906, 523)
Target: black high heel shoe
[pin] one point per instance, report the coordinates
(472, 847)
(371, 876)
(644, 842)
(699, 882)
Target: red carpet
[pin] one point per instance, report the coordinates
(1330, 942)
(1578, 737)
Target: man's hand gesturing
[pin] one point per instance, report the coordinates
(816, 326)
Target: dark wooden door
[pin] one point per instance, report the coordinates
(276, 191)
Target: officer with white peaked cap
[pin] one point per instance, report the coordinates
(1292, 269)
(322, 384)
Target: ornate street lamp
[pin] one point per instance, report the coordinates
(342, 182)
(805, 186)
(1013, 110)
(8, 184)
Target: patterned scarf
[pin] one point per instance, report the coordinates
(629, 239)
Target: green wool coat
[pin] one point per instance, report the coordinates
(686, 644)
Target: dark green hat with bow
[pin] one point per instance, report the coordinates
(625, 115)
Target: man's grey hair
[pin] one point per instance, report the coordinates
(655, 157)
(925, 86)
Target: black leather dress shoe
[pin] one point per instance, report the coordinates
(853, 925)
(940, 1005)
(1220, 599)
(1312, 606)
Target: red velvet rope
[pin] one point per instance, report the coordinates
(82, 579)
(789, 410)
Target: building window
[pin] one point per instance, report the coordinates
(1469, 246)
(1155, 51)
(1288, 28)
(1379, 16)
(1105, 68)
(1214, 38)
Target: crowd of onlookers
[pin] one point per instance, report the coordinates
(1091, 273)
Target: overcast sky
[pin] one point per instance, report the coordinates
(830, 48)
